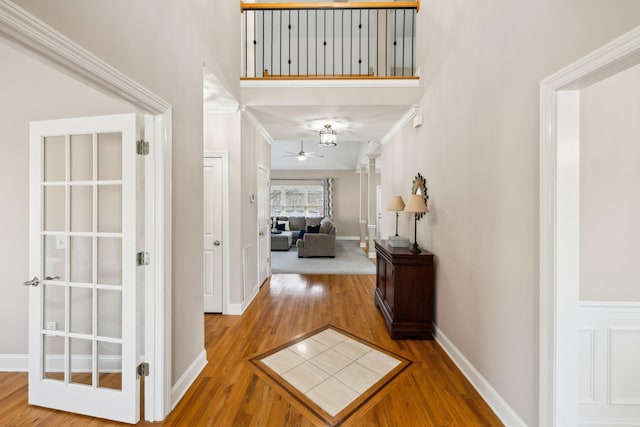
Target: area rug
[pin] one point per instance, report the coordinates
(330, 371)
(350, 259)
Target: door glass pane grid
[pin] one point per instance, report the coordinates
(110, 365)
(74, 354)
(53, 355)
(53, 156)
(81, 361)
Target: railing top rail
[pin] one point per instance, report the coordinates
(331, 5)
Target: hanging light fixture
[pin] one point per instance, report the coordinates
(328, 137)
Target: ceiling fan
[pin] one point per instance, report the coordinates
(301, 155)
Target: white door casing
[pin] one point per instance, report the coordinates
(213, 241)
(559, 225)
(264, 227)
(82, 317)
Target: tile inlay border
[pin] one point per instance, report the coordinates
(315, 409)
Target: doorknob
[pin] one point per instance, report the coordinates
(216, 243)
(52, 278)
(33, 282)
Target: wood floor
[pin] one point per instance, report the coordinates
(229, 392)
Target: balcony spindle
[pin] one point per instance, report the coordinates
(278, 48)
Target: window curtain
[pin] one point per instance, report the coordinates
(327, 187)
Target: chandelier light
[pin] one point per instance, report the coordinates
(328, 137)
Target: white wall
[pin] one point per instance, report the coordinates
(30, 91)
(222, 133)
(246, 147)
(609, 197)
(255, 150)
(478, 149)
(346, 191)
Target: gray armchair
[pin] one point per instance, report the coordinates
(322, 244)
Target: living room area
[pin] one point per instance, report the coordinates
(315, 220)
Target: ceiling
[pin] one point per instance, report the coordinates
(360, 128)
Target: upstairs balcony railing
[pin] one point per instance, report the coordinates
(363, 40)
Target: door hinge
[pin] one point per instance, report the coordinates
(143, 258)
(142, 147)
(142, 370)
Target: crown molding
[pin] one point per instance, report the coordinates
(406, 118)
(18, 25)
(247, 114)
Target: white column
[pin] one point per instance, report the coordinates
(363, 206)
(371, 205)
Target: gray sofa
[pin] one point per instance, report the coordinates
(297, 223)
(321, 244)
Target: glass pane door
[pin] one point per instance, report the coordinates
(83, 203)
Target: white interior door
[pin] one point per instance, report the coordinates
(264, 227)
(82, 298)
(213, 208)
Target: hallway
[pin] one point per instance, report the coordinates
(229, 392)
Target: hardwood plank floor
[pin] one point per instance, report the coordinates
(229, 392)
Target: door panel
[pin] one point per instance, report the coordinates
(212, 175)
(264, 226)
(82, 328)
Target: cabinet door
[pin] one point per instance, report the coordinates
(390, 285)
(381, 276)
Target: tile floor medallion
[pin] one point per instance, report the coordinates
(330, 371)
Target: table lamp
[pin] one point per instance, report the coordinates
(397, 205)
(416, 206)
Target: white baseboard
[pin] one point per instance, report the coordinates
(184, 382)
(372, 255)
(233, 309)
(237, 309)
(356, 238)
(14, 362)
(249, 300)
(609, 423)
(363, 245)
(506, 414)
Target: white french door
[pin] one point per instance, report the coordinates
(213, 207)
(82, 298)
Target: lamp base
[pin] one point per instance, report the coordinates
(415, 249)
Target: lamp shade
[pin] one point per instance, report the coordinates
(396, 204)
(416, 204)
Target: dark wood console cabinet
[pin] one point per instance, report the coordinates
(404, 291)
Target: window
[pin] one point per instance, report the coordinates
(297, 200)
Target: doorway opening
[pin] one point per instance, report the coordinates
(560, 224)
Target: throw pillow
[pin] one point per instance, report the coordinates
(326, 226)
(313, 221)
(313, 229)
(286, 225)
(280, 227)
(301, 234)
